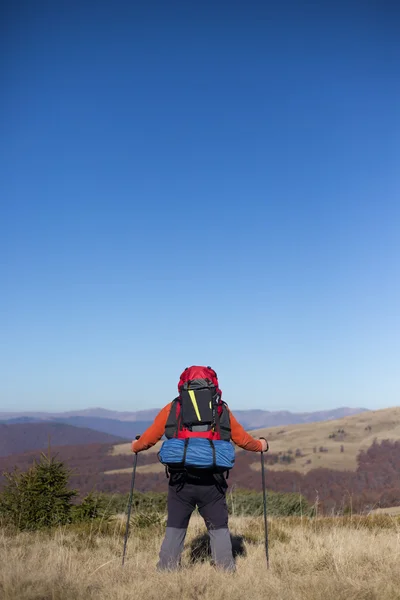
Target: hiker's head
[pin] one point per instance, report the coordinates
(195, 372)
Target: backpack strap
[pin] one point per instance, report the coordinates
(216, 425)
(224, 422)
(173, 422)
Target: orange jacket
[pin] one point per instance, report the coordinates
(155, 432)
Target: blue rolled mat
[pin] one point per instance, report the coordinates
(199, 453)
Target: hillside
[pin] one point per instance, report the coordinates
(18, 438)
(359, 433)
(331, 444)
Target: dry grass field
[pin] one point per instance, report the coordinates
(360, 432)
(324, 559)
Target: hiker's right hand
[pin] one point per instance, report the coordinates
(264, 445)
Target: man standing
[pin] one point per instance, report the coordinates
(196, 414)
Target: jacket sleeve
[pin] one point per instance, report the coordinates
(153, 433)
(241, 438)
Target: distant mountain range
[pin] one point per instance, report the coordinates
(251, 419)
(123, 429)
(21, 432)
(16, 438)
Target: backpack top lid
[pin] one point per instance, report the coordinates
(201, 375)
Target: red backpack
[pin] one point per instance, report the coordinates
(198, 411)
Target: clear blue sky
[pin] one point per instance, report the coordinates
(199, 183)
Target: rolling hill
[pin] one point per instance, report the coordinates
(326, 437)
(331, 444)
(18, 438)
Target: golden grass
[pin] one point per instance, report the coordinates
(324, 559)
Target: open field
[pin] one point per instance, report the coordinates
(359, 433)
(353, 559)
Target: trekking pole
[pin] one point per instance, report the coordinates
(130, 503)
(265, 508)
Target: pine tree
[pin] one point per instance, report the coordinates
(39, 497)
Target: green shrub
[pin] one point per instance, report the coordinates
(146, 520)
(39, 497)
(93, 506)
(240, 502)
(250, 503)
(153, 502)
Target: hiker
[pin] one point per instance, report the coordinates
(195, 424)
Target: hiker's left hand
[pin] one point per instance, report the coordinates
(134, 445)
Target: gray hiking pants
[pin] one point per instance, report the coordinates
(211, 502)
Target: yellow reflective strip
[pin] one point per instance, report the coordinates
(194, 402)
